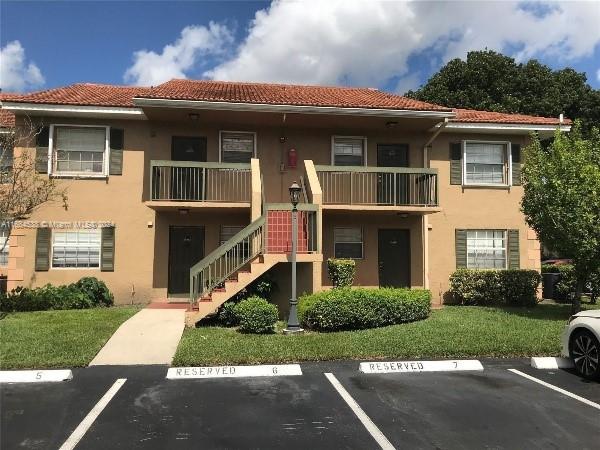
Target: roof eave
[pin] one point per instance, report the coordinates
(74, 110)
(267, 107)
(491, 127)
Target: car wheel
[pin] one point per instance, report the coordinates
(584, 350)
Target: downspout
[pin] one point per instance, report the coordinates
(425, 221)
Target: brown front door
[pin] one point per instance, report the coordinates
(186, 248)
(390, 190)
(394, 258)
(187, 183)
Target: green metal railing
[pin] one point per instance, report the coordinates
(227, 259)
(200, 181)
(385, 186)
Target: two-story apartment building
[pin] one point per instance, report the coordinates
(181, 190)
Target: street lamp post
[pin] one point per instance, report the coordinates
(293, 325)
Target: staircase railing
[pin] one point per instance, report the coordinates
(227, 259)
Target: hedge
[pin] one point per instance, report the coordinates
(360, 308)
(512, 287)
(88, 292)
(567, 282)
(341, 271)
(256, 315)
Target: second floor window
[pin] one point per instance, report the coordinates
(486, 163)
(80, 150)
(348, 151)
(237, 147)
(76, 248)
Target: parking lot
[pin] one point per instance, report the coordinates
(494, 408)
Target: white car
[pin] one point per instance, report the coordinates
(581, 342)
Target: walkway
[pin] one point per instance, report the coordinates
(149, 337)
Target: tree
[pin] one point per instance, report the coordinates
(561, 200)
(22, 190)
(491, 81)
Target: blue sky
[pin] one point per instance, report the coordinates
(390, 45)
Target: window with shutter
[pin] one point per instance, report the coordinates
(79, 150)
(75, 248)
(348, 151)
(237, 147)
(486, 163)
(3, 245)
(486, 249)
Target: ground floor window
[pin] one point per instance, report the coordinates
(348, 242)
(486, 249)
(227, 232)
(3, 246)
(76, 248)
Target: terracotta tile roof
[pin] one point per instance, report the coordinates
(284, 94)
(91, 94)
(82, 94)
(474, 116)
(7, 119)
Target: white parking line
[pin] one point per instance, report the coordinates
(87, 422)
(556, 388)
(362, 416)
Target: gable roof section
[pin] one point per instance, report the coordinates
(104, 95)
(284, 94)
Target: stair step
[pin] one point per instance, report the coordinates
(205, 299)
(219, 290)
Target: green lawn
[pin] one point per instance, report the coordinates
(57, 338)
(452, 332)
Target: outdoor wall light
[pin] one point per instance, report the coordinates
(183, 211)
(194, 116)
(391, 124)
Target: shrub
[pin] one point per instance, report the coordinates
(227, 315)
(262, 287)
(73, 296)
(513, 287)
(256, 315)
(355, 309)
(341, 272)
(567, 282)
(96, 290)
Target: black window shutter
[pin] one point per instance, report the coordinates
(42, 141)
(107, 254)
(514, 256)
(116, 151)
(455, 163)
(461, 249)
(515, 150)
(42, 249)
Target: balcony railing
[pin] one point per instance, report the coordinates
(378, 186)
(190, 181)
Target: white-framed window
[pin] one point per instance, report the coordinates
(486, 249)
(3, 246)
(79, 150)
(348, 150)
(486, 163)
(237, 146)
(6, 164)
(76, 248)
(348, 242)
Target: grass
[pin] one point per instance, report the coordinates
(45, 339)
(452, 332)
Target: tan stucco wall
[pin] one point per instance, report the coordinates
(141, 258)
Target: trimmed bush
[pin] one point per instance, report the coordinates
(256, 315)
(87, 293)
(97, 291)
(227, 315)
(360, 308)
(341, 272)
(513, 287)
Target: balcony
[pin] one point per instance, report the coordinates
(188, 184)
(405, 189)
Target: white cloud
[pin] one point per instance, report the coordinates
(598, 75)
(16, 74)
(151, 68)
(369, 42)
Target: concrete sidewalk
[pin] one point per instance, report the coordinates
(149, 337)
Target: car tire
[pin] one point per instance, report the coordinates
(584, 350)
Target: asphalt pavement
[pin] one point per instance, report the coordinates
(331, 405)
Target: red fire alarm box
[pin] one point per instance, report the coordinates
(292, 158)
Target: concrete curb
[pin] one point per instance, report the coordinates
(550, 362)
(35, 376)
